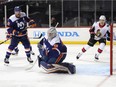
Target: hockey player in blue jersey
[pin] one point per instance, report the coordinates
(52, 53)
(17, 31)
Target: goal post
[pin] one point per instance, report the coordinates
(111, 49)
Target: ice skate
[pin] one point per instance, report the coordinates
(32, 53)
(78, 56)
(15, 53)
(6, 61)
(30, 60)
(96, 57)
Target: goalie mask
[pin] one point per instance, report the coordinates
(51, 33)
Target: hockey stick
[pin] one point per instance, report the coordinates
(36, 37)
(4, 41)
(32, 65)
(56, 24)
(9, 39)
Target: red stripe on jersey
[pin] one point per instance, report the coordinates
(101, 26)
(59, 58)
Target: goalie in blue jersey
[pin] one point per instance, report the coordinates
(52, 53)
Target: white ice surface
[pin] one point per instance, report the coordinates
(89, 73)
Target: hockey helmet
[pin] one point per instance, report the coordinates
(102, 17)
(17, 9)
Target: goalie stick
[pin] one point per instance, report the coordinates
(36, 37)
(56, 24)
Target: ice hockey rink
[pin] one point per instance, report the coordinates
(89, 73)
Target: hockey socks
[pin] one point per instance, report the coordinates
(6, 60)
(84, 49)
(99, 51)
(28, 56)
(16, 51)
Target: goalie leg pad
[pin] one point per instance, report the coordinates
(71, 67)
(58, 68)
(53, 68)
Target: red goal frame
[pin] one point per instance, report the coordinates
(111, 49)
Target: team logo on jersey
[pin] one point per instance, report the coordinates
(21, 25)
(98, 33)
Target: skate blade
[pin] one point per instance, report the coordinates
(6, 64)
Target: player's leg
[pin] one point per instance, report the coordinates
(90, 43)
(64, 52)
(26, 45)
(13, 44)
(100, 48)
(31, 51)
(47, 63)
(16, 50)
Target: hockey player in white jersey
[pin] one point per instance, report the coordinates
(52, 53)
(99, 32)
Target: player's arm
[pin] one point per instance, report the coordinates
(9, 29)
(52, 50)
(30, 21)
(40, 44)
(91, 30)
(92, 34)
(55, 52)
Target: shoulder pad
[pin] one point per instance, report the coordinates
(23, 14)
(12, 18)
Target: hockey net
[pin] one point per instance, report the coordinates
(113, 49)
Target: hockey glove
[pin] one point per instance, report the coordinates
(92, 36)
(108, 38)
(8, 36)
(32, 23)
